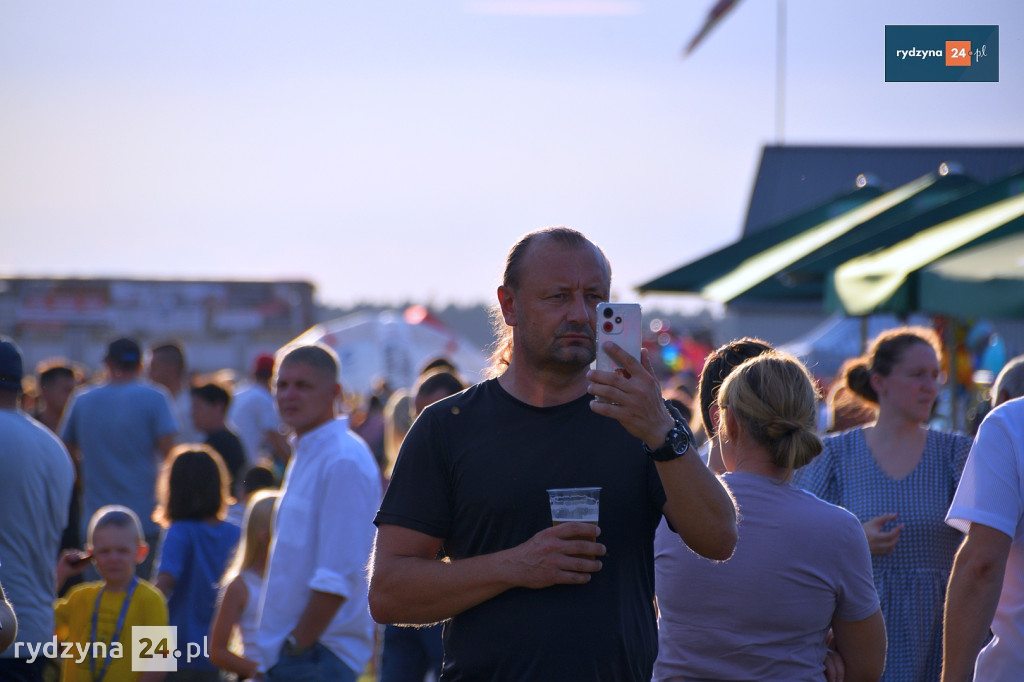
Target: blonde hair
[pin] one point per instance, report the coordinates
(259, 513)
(116, 516)
(398, 419)
(774, 397)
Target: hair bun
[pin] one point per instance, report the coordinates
(782, 428)
(774, 397)
(858, 380)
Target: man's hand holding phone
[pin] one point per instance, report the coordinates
(633, 398)
(620, 324)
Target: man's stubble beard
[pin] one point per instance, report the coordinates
(573, 358)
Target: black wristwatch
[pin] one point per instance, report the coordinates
(677, 444)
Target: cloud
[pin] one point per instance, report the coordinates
(554, 8)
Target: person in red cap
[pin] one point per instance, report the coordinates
(254, 417)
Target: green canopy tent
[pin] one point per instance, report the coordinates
(807, 278)
(966, 267)
(986, 280)
(693, 276)
(797, 268)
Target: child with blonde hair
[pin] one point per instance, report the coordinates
(238, 610)
(98, 617)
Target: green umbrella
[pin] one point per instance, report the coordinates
(919, 273)
(693, 276)
(986, 280)
(796, 268)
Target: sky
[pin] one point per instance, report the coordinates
(393, 150)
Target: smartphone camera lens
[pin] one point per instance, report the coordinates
(608, 312)
(608, 327)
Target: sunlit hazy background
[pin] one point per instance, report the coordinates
(392, 151)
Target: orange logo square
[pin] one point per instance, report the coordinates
(958, 53)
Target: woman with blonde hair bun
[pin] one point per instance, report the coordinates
(801, 567)
(898, 477)
(774, 403)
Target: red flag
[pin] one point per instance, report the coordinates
(715, 15)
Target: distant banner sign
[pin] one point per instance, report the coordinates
(934, 54)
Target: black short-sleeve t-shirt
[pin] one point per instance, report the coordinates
(474, 471)
(229, 447)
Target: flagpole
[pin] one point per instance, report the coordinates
(715, 15)
(780, 74)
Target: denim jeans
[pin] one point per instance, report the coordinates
(409, 653)
(315, 664)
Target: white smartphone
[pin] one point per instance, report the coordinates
(619, 323)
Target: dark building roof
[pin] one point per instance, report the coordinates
(795, 178)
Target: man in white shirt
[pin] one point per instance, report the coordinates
(986, 588)
(314, 621)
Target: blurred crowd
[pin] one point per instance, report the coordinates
(139, 493)
(140, 442)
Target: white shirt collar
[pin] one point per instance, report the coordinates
(312, 438)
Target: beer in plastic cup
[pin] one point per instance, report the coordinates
(574, 504)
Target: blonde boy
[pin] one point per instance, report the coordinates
(107, 610)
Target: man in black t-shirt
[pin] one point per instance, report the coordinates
(209, 407)
(523, 599)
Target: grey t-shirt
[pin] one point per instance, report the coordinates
(764, 613)
(116, 427)
(36, 475)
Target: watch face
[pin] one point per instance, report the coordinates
(677, 437)
(677, 443)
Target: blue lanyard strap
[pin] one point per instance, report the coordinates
(98, 677)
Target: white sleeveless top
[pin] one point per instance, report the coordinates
(249, 621)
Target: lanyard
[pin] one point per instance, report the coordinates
(117, 629)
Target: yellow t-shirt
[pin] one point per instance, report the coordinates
(74, 624)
